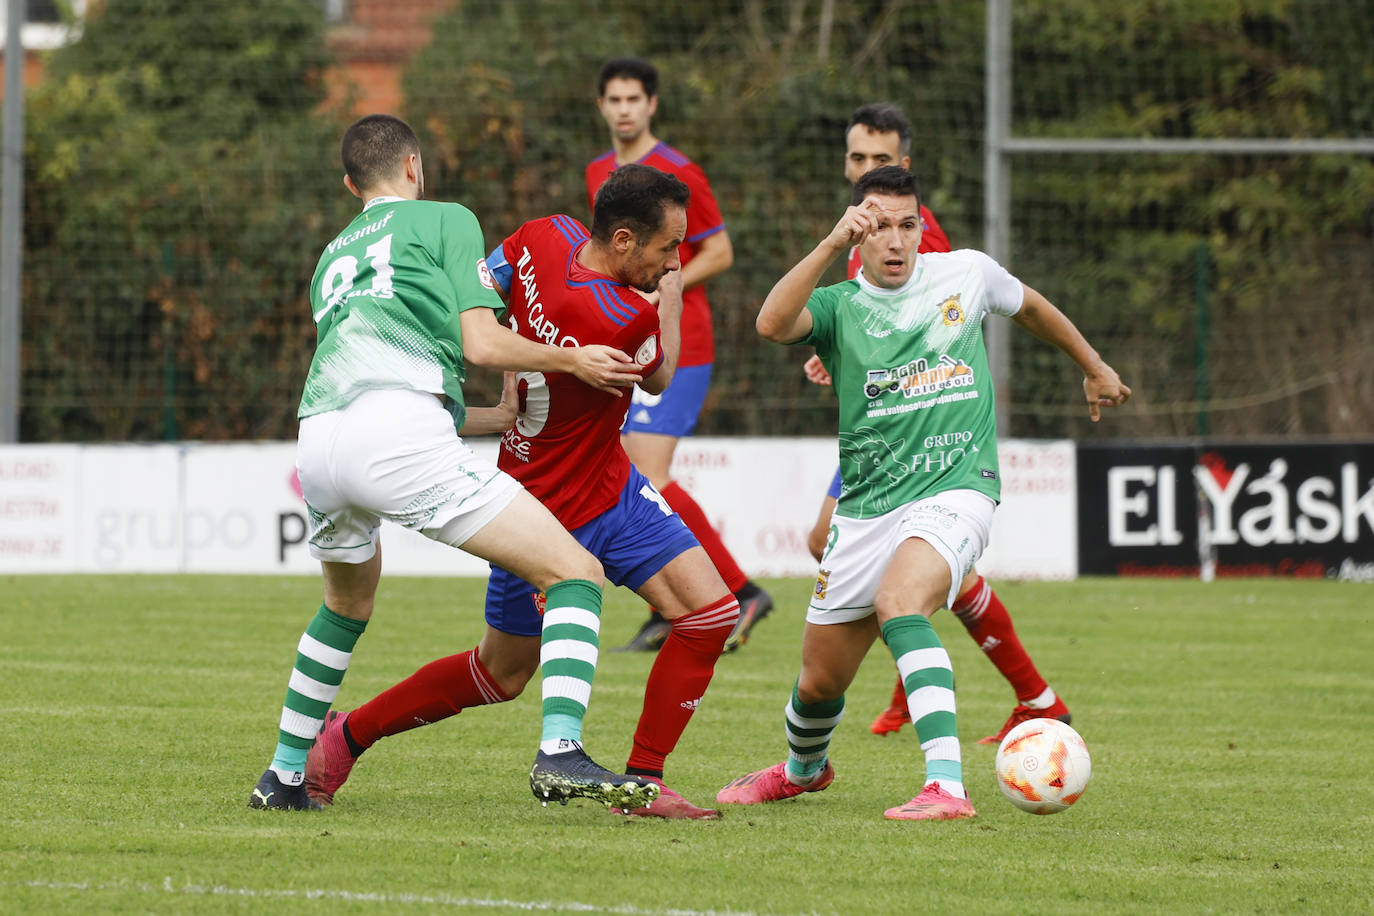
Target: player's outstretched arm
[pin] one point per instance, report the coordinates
(1102, 387)
(669, 331)
(486, 342)
(783, 317)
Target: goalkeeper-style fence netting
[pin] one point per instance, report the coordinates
(182, 178)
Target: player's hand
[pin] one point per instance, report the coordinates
(815, 372)
(670, 284)
(858, 223)
(510, 397)
(605, 368)
(1104, 388)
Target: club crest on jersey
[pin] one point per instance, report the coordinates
(822, 583)
(951, 311)
(647, 351)
(540, 602)
(484, 273)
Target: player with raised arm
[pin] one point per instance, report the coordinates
(627, 97)
(918, 452)
(402, 301)
(564, 284)
(879, 135)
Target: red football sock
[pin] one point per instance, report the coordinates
(679, 677)
(987, 621)
(440, 689)
(692, 516)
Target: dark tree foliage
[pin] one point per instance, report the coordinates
(183, 176)
(180, 185)
(758, 93)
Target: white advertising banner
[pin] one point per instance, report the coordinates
(129, 509)
(1035, 530)
(762, 495)
(38, 503)
(237, 508)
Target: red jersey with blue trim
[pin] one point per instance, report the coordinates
(703, 220)
(565, 447)
(933, 238)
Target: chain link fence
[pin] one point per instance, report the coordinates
(181, 179)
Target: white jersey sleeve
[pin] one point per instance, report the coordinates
(1004, 292)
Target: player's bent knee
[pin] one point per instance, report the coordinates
(510, 660)
(819, 689)
(512, 681)
(584, 566)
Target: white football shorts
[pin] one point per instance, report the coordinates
(956, 523)
(392, 454)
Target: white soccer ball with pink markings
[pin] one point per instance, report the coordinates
(1043, 766)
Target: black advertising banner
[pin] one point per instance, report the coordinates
(1189, 509)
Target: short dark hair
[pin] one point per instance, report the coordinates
(883, 118)
(634, 198)
(373, 147)
(630, 68)
(889, 179)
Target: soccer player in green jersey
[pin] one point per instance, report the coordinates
(877, 135)
(403, 301)
(918, 455)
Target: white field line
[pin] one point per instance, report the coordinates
(389, 899)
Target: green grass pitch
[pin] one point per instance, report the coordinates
(1229, 723)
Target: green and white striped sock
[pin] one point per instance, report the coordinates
(322, 657)
(929, 678)
(809, 727)
(569, 644)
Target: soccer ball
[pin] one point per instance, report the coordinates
(1043, 766)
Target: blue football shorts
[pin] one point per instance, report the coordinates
(675, 411)
(834, 491)
(633, 539)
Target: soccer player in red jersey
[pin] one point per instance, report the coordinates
(627, 97)
(879, 135)
(564, 286)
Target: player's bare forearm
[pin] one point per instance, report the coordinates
(488, 343)
(711, 256)
(1102, 387)
(783, 317)
(485, 421)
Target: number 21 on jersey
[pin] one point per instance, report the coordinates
(337, 286)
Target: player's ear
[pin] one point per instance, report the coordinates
(622, 240)
(653, 105)
(352, 188)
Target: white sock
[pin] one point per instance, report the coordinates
(1044, 701)
(289, 777)
(558, 746)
